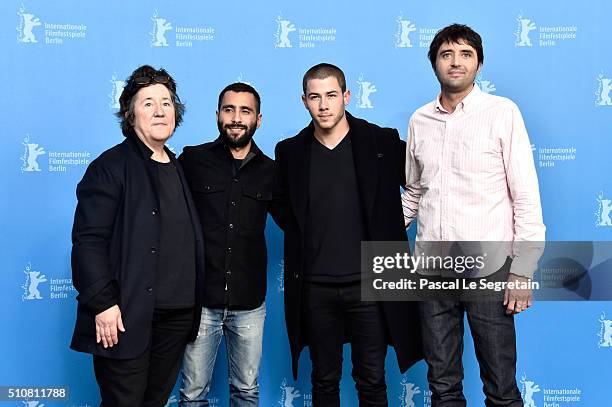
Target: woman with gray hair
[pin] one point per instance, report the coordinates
(137, 251)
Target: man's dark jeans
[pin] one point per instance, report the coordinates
(331, 313)
(494, 341)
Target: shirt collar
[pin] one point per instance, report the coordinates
(466, 104)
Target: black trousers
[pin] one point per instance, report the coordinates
(148, 379)
(331, 313)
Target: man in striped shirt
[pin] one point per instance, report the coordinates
(471, 177)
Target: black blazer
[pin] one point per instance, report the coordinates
(115, 237)
(379, 157)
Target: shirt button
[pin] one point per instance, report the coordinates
(150, 289)
(153, 250)
(231, 225)
(154, 212)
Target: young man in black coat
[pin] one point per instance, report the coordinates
(339, 184)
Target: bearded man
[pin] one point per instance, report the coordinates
(231, 180)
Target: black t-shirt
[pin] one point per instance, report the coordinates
(237, 164)
(334, 227)
(175, 279)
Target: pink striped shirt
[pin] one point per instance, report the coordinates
(471, 177)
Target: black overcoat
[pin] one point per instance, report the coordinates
(379, 157)
(115, 239)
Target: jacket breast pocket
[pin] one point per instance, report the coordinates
(210, 201)
(254, 208)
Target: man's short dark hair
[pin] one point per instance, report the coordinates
(453, 34)
(322, 71)
(241, 87)
(142, 77)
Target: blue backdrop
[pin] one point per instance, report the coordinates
(62, 70)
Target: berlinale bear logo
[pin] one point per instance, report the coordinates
(605, 333)
(529, 389)
(117, 89)
(365, 90)
(27, 23)
(30, 156)
(603, 91)
(289, 393)
(409, 390)
(404, 28)
(525, 26)
(30, 287)
(284, 27)
(602, 214)
(160, 26)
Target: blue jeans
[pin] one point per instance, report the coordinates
(495, 344)
(243, 331)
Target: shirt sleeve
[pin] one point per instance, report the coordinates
(98, 196)
(412, 194)
(522, 181)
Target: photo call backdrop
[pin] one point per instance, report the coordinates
(63, 68)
